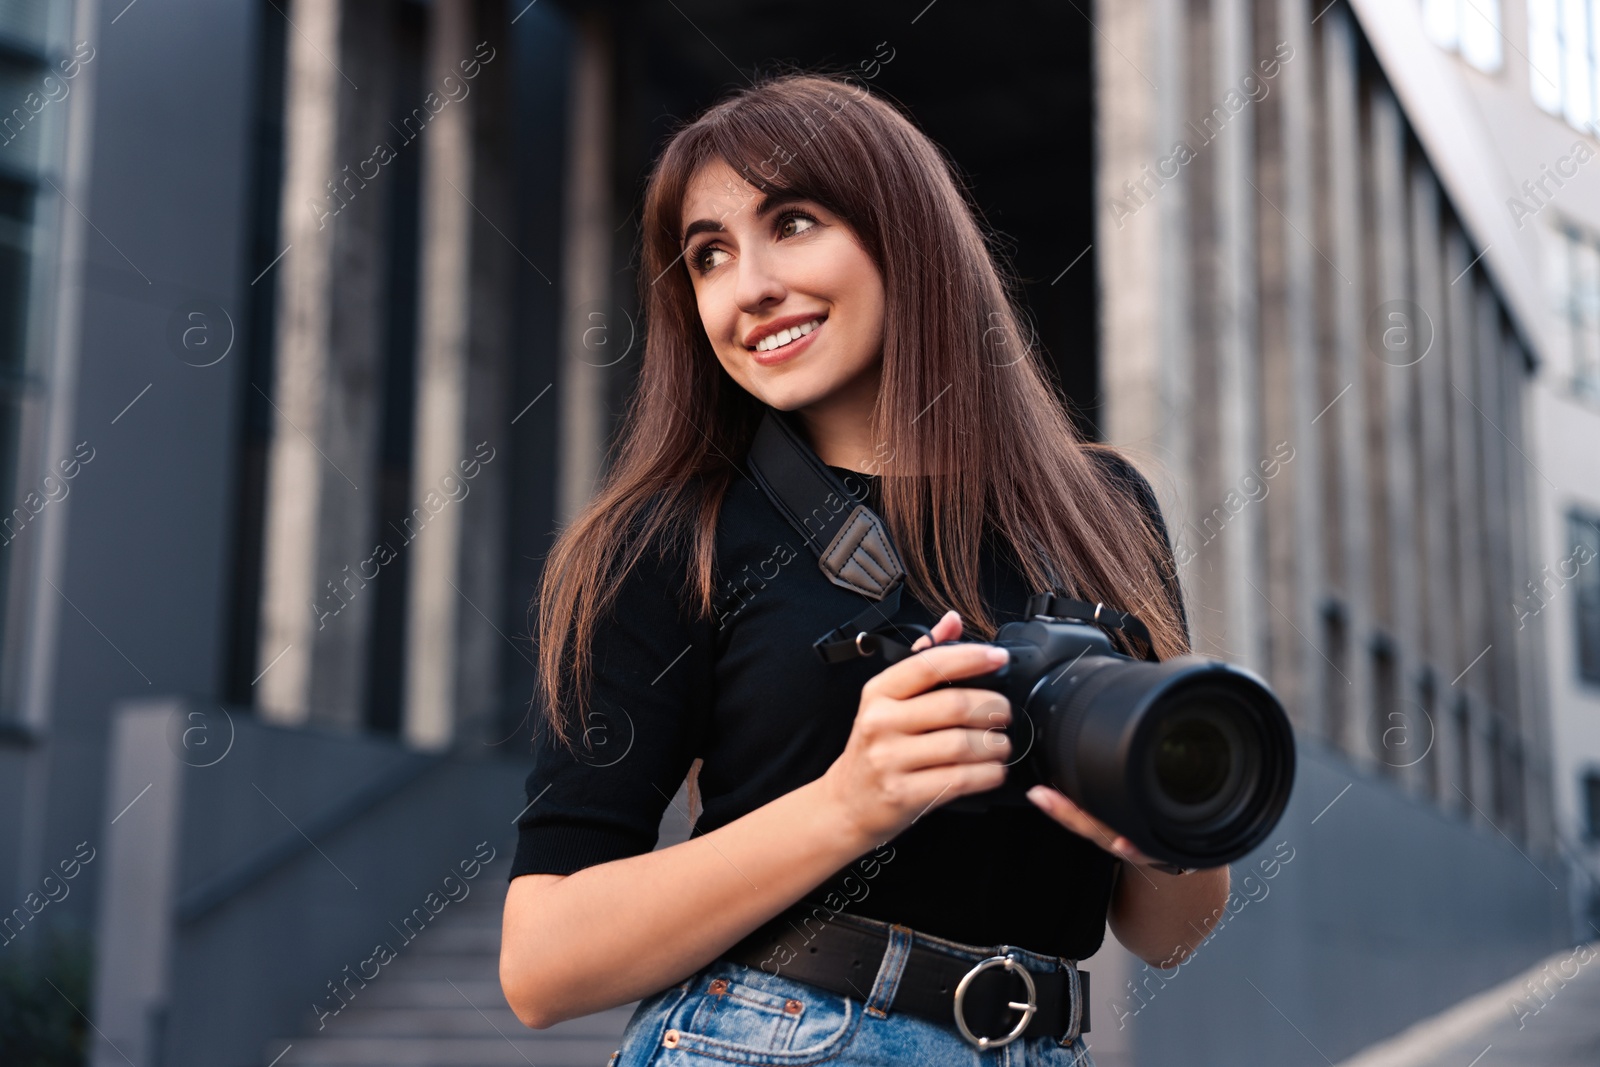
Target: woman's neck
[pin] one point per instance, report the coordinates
(839, 425)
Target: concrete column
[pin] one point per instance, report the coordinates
(1392, 333)
(482, 566)
(586, 263)
(1174, 267)
(1141, 237)
(1437, 572)
(1500, 659)
(138, 856)
(444, 263)
(1235, 204)
(1529, 710)
(1291, 396)
(1347, 418)
(1471, 629)
(321, 502)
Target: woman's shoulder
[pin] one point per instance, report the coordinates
(748, 520)
(748, 529)
(1121, 471)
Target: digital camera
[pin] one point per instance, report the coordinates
(1189, 758)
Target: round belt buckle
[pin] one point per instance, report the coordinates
(1009, 962)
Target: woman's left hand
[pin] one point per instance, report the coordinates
(1056, 804)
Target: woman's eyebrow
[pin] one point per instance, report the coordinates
(768, 203)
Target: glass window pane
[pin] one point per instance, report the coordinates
(1557, 245)
(1544, 55)
(1576, 72)
(1586, 546)
(25, 112)
(1439, 19)
(1586, 307)
(27, 21)
(1480, 33)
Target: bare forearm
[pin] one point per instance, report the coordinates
(618, 931)
(1161, 918)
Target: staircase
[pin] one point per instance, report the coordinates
(438, 1004)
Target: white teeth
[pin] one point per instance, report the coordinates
(783, 337)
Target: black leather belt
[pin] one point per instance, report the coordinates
(991, 1001)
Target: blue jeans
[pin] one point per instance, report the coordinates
(733, 1014)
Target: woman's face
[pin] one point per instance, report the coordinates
(791, 302)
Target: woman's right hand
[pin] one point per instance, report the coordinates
(911, 749)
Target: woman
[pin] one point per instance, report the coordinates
(806, 249)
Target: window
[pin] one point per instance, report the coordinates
(1470, 27)
(1563, 47)
(1575, 286)
(1591, 805)
(31, 139)
(1585, 559)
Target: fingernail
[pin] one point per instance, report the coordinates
(998, 655)
(1037, 793)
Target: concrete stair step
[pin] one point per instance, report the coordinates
(438, 1003)
(457, 966)
(482, 938)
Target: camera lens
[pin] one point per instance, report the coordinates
(1192, 760)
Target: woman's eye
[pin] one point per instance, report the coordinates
(795, 224)
(702, 258)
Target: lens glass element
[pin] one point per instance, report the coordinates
(1192, 760)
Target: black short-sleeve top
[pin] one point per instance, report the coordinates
(746, 694)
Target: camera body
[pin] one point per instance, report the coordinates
(1038, 648)
(1190, 758)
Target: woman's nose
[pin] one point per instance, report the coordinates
(758, 286)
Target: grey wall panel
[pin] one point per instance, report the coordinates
(146, 546)
(1388, 912)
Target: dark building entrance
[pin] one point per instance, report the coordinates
(1009, 95)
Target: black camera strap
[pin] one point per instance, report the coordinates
(849, 539)
(854, 551)
(1056, 606)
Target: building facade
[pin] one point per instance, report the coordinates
(330, 313)
(1535, 104)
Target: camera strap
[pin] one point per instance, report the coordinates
(849, 539)
(854, 551)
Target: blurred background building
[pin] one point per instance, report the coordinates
(316, 317)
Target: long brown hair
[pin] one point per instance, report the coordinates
(958, 382)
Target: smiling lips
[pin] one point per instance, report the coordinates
(783, 337)
(778, 345)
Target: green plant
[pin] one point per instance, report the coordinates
(38, 1025)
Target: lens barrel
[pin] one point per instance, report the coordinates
(1191, 759)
